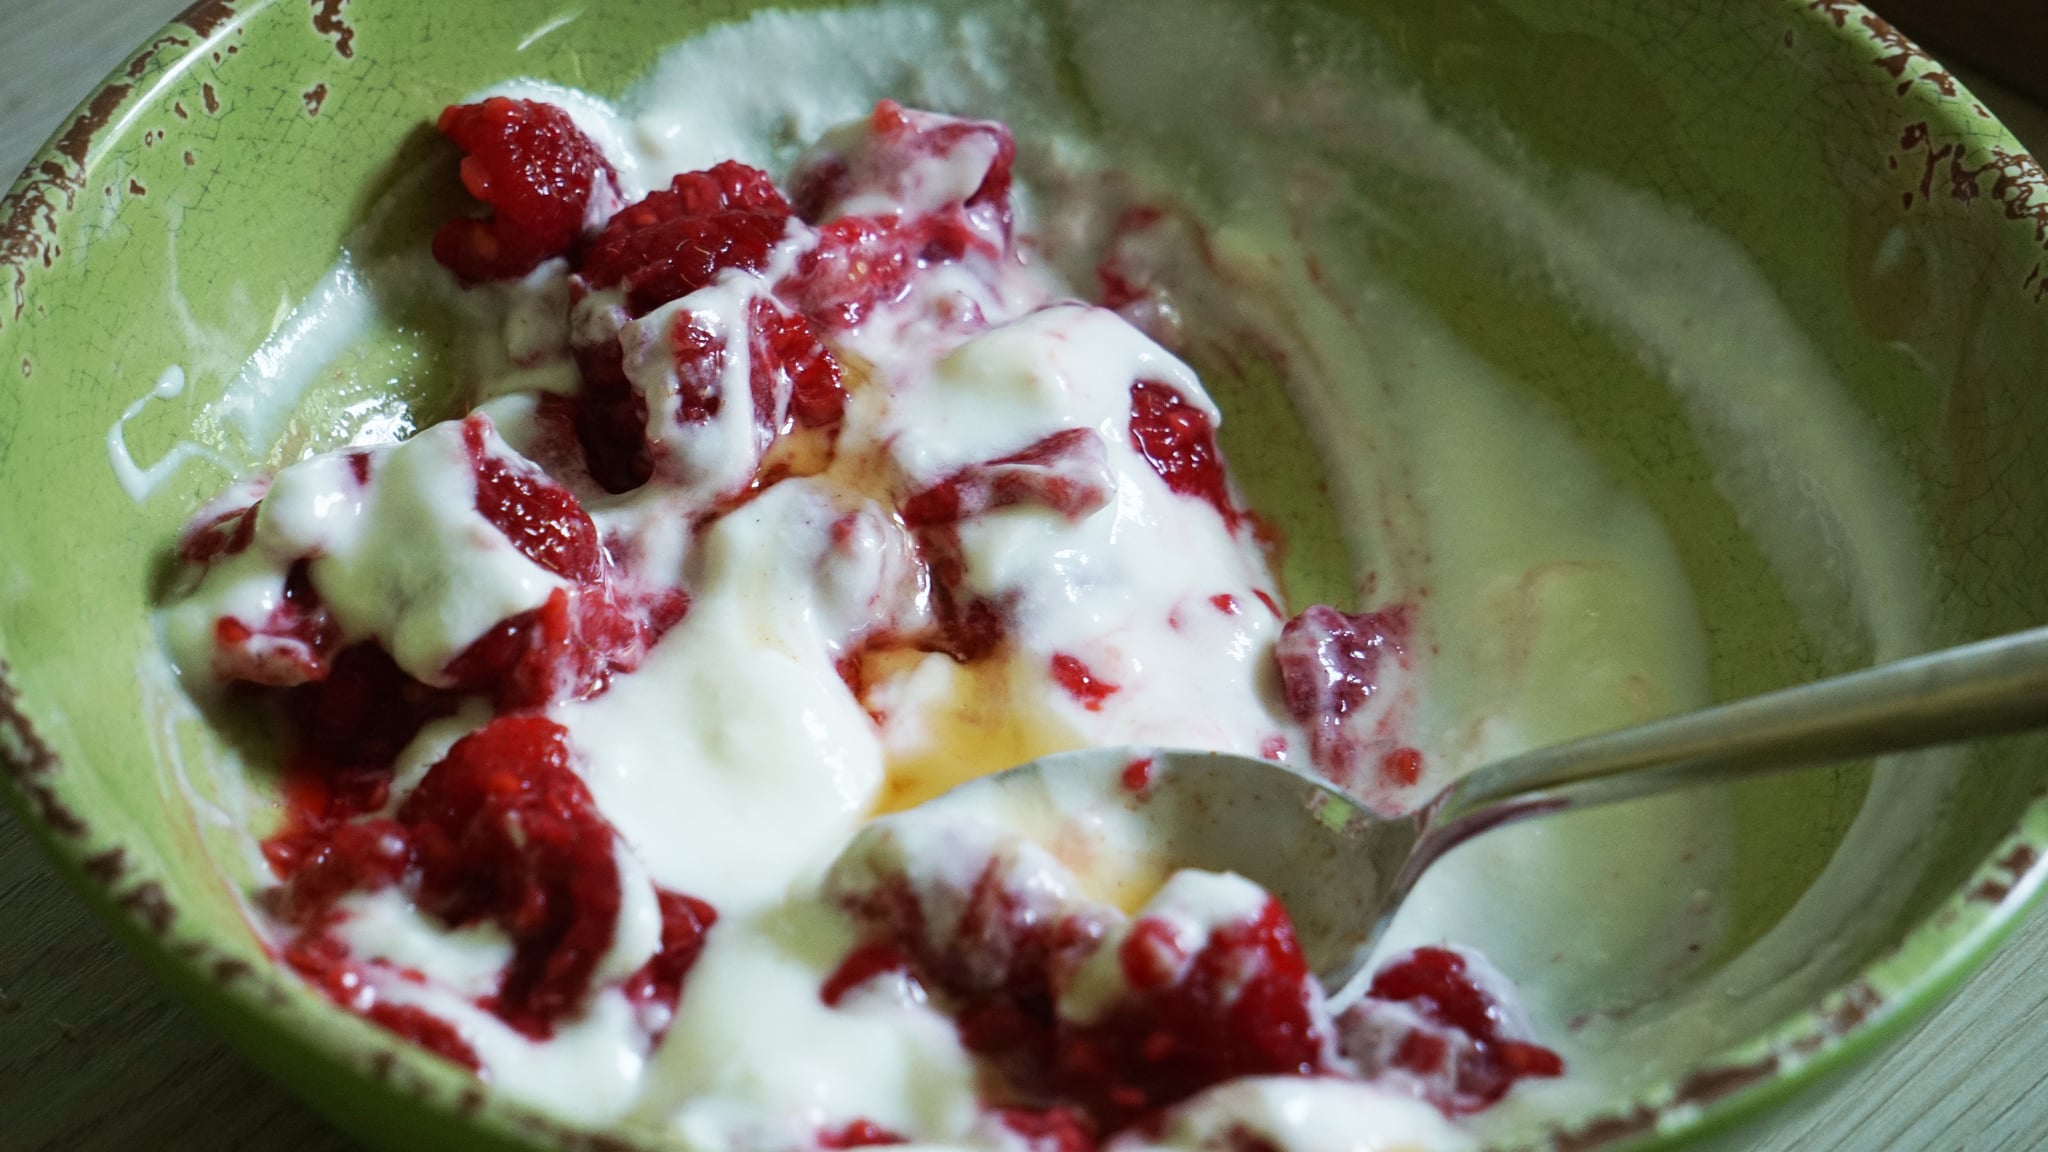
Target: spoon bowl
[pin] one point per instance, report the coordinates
(1334, 864)
(1341, 868)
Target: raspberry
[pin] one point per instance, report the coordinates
(1137, 775)
(728, 187)
(663, 248)
(540, 517)
(1057, 1129)
(1006, 951)
(700, 369)
(792, 369)
(324, 963)
(361, 857)
(1244, 1005)
(569, 647)
(535, 169)
(860, 264)
(501, 830)
(791, 380)
(858, 1134)
(967, 627)
(226, 534)
(864, 964)
(1083, 685)
(658, 985)
(1334, 671)
(610, 418)
(294, 645)
(361, 715)
(915, 158)
(504, 831)
(1427, 1018)
(949, 178)
(1176, 438)
(995, 947)
(1067, 472)
(677, 240)
(1402, 767)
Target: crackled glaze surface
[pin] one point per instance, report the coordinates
(1933, 159)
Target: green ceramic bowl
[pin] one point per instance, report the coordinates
(207, 186)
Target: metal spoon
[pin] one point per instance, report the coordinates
(1342, 869)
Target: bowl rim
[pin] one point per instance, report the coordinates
(1843, 1027)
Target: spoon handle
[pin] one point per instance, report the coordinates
(1990, 688)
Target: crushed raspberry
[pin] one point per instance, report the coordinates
(898, 156)
(1058, 1129)
(699, 353)
(1151, 956)
(1448, 1033)
(792, 369)
(1119, 288)
(793, 380)
(1083, 685)
(294, 645)
(536, 170)
(569, 648)
(663, 248)
(858, 1134)
(863, 964)
(1333, 666)
(1402, 767)
(1116, 290)
(227, 534)
(1177, 439)
(952, 179)
(1067, 472)
(1240, 1138)
(1137, 775)
(967, 627)
(501, 830)
(610, 419)
(1225, 603)
(540, 517)
(322, 867)
(686, 922)
(1007, 943)
(1003, 941)
(421, 1027)
(505, 832)
(1271, 604)
(862, 264)
(358, 719)
(324, 963)
(677, 240)
(1242, 1006)
(552, 442)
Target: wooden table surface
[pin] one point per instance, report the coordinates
(93, 1056)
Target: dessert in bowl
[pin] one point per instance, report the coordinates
(833, 450)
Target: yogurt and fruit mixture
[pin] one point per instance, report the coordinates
(784, 501)
(596, 693)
